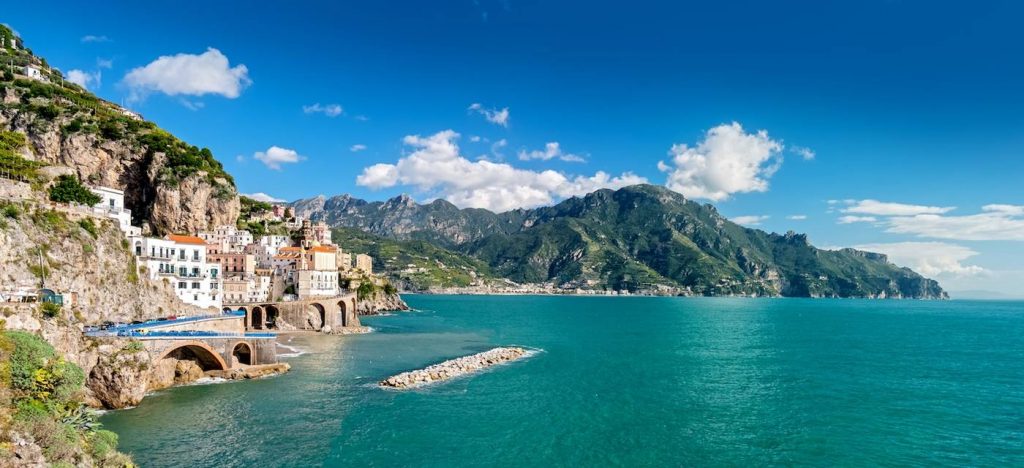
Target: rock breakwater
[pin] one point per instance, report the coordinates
(454, 368)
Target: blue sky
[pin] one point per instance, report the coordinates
(914, 104)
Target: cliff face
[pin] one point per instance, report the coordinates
(96, 273)
(123, 158)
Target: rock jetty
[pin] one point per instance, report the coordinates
(454, 368)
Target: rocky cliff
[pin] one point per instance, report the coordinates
(170, 186)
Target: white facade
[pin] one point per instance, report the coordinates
(181, 260)
(317, 283)
(228, 237)
(34, 73)
(112, 205)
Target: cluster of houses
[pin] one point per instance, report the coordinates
(229, 266)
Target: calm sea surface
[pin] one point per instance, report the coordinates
(623, 381)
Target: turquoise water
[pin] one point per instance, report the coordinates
(623, 381)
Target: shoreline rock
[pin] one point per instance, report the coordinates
(454, 368)
(251, 372)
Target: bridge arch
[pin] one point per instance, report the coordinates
(257, 320)
(343, 309)
(197, 351)
(242, 353)
(316, 311)
(270, 321)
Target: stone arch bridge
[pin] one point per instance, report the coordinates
(305, 314)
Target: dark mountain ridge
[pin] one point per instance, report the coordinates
(638, 238)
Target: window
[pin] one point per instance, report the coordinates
(195, 271)
(195, 255)
(181, 285)
(195, 285)
(182, 271)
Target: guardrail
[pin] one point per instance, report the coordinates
(157, 334)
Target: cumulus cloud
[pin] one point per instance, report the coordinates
(275, 156)
(494, 116)
(993, 223)
(551, 150)
(436, 166)
(87, 80)
(92, 38)
(928, 258)
(263, 197)
(857, 219)
(189, 75)
(330, 110)
(728, 160)
(797, 217)
(751, 220)
(357, 148)
(875, 207)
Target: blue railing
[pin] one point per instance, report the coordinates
(163, 323)
(181, 334)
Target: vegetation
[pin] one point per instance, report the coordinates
(49, 309)
(38, 398)
(89, 226)
(69, 189)
(366, 290)
(415, 265)
(12, 165)
(183, 160)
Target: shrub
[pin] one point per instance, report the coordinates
(365, 290)
(11, 211)
(49, 309)
(89, 226)
(69, 189)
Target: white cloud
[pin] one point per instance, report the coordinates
(875, 207)
(751, 220)
(104, 63)
(330, 110)
(996, 222)
(727, 161)
(928, 258)
(357, 148)
(474, 138)
(435, 166)
(857, 219)
(85, 79)
(796, 217)
(275, 156)
(494, 116)
(190, 75)
(92, 38)
(263, 197)
(804, 152)
(551, 150)
(361, 118)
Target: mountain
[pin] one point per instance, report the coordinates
(62, 128)
(638, 238)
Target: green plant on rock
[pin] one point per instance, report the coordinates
(69, 189)
(89, 226)
(49, 309)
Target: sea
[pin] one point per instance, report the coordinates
(620, 381)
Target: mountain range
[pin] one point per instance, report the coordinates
(638, 238)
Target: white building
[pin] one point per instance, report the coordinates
(112, 205)
(317, 283)
(181, 260)
(129, 114)
(229, 238)
(34, 73)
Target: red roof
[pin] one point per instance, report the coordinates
(185, 239)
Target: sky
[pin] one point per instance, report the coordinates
(888, 125)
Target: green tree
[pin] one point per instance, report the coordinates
(69, 189)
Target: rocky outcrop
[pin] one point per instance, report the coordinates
(193, 205)
(454, 368)
(169, 372)
(380, 303)
(251, 372)
(120, 378)
(119, 158)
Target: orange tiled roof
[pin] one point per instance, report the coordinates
(186, 239)
(323, 248)
(289, 249)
